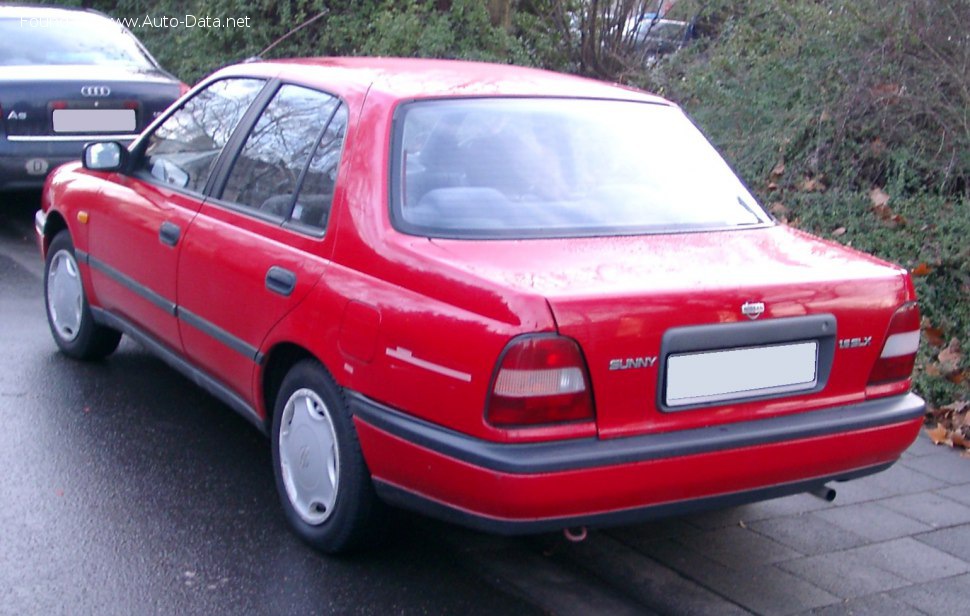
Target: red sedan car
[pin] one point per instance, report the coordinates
(508, 298)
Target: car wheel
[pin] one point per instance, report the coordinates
(68, 312)
(322, 479)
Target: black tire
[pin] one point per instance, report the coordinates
(84, 339)
(355, 518)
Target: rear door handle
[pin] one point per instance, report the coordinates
(280, 280)
(169, 233)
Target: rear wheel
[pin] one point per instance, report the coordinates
(68, 312)
(321, 477)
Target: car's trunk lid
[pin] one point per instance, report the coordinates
(67, 102)
(748, 301)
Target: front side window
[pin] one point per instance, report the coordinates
(183, 149)
(523, 168)
(298, 126)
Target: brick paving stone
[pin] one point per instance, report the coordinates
(949, 597)
(930, 508)
(882, 604)
(843, 575)
(653, 531)
(808, 534)
(959, 493)
(737, 546)
(947, 466)
(909, 559)
(896, 481)
(651, 583)
(763, 589)
(872, 521)
(922, 446)
(954, 540)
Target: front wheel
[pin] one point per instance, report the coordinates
(321, 477)
(68, 312)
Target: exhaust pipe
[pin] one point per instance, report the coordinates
(575, 535)
(824, 492)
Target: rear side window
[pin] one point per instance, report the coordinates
(183, 149)
(293, 149)
(524, 168)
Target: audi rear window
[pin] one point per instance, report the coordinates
(539, 167)
(68, 38)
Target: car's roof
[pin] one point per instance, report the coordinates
(408, 78)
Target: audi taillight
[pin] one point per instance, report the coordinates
(898, 354)
(540, 380)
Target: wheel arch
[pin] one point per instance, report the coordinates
(54, 224)
(279, 360)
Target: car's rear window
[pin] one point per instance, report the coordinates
(75, 39)
(524, 168)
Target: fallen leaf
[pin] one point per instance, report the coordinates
(957, 377)
(959, 440)
(932, 370)
(938, 434)
(778, 170)
(838, 232)
(932, 335)
(950, 357)
(812, 185)
(826, 116)
(922, 270)
(957, 407)
(772, 186)
(879, 197)
(778, 208)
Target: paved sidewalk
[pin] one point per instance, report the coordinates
(894, 543)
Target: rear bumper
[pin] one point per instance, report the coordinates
(534, 487)
(25, 162)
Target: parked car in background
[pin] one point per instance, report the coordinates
(472, 290)
(69, 76)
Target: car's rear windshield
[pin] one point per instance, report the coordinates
(74, 39)
(535, 167)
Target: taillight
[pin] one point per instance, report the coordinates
(541, 379)
(898, 355)
(183, 89)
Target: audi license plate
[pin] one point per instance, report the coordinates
(94, 120)
(717, 376)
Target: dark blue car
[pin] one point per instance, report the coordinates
(67, 77)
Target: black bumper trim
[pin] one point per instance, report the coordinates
(400, 497)
(531, 458)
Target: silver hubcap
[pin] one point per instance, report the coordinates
(309, 456)
(65, 295)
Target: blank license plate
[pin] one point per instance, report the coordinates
(715, 376)
(94, 120)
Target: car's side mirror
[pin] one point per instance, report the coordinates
(107, 156)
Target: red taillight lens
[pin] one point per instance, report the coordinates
(183, 89)
(540, 380)
(898, 355)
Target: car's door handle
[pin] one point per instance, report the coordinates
(280, 280)
(169, 233)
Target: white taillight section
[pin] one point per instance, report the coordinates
(898, 345)
(533, 383)
(540, 380)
